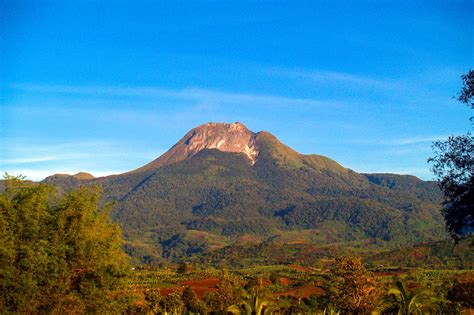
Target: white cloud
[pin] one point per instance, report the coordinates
(37, 159)
(203, 96)
(405, 141)
(417, 140)
(332, 77)
(28, 160)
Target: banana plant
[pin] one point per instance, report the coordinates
(409, 302)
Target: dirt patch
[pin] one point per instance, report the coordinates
(209, 283)
(286, 281)
(303, 291)
(200, 287)
(300, 268)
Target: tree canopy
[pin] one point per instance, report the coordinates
(352, 288)
(58, 253)
(453, 165)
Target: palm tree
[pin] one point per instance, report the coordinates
(406, 302)
(330, 310)
(253, 304)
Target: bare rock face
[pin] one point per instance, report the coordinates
(234, 138)
(224, 137)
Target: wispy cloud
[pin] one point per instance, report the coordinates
(406, 141)
(19, 151)
(37, 160)
(194, 94)
(417, 140)
(326, 77)
(29, 160)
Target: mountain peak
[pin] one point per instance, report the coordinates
(225, 137)
(237, 138)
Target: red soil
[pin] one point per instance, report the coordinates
(210, 283)
(286, 281)
(299, 268)
(200, 287)
(305, 291)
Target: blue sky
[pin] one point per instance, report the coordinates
(106, 86)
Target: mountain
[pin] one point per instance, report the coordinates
(223, 137)
(222, 183)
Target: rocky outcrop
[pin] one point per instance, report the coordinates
(235, 138)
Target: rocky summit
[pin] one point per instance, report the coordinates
(224, 137)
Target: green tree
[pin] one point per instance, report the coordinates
(405, 302)
(191, 302)
(226, 295)
(453, 165)
(352, 289)
(153, 301)
(172, 303)
(58, 253)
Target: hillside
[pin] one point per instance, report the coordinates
(228, 182)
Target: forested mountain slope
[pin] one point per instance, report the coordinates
(228, 183)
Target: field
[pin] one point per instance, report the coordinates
(283, 283)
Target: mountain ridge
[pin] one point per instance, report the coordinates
(208, 182)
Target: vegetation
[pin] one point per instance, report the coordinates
(352, 288)
(453, 165)
(333, 291)
(58, 253)
(404, 302)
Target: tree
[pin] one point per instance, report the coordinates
(352, 289)
(153, 302)
(399, 299)
(58, 253)
(226, 295)
(172, 303)
(191, 302)
(453, 165)
(466, 95)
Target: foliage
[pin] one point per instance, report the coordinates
(453, 165)
(425, 290)
(405, 302)
(58, 253)
(352, 289)
(153, 301)
(462, 293)
(253, 304)
(466, 94)
(172, 303)
(225, 296)
(191, 303)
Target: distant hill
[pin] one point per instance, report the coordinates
(224, 182)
